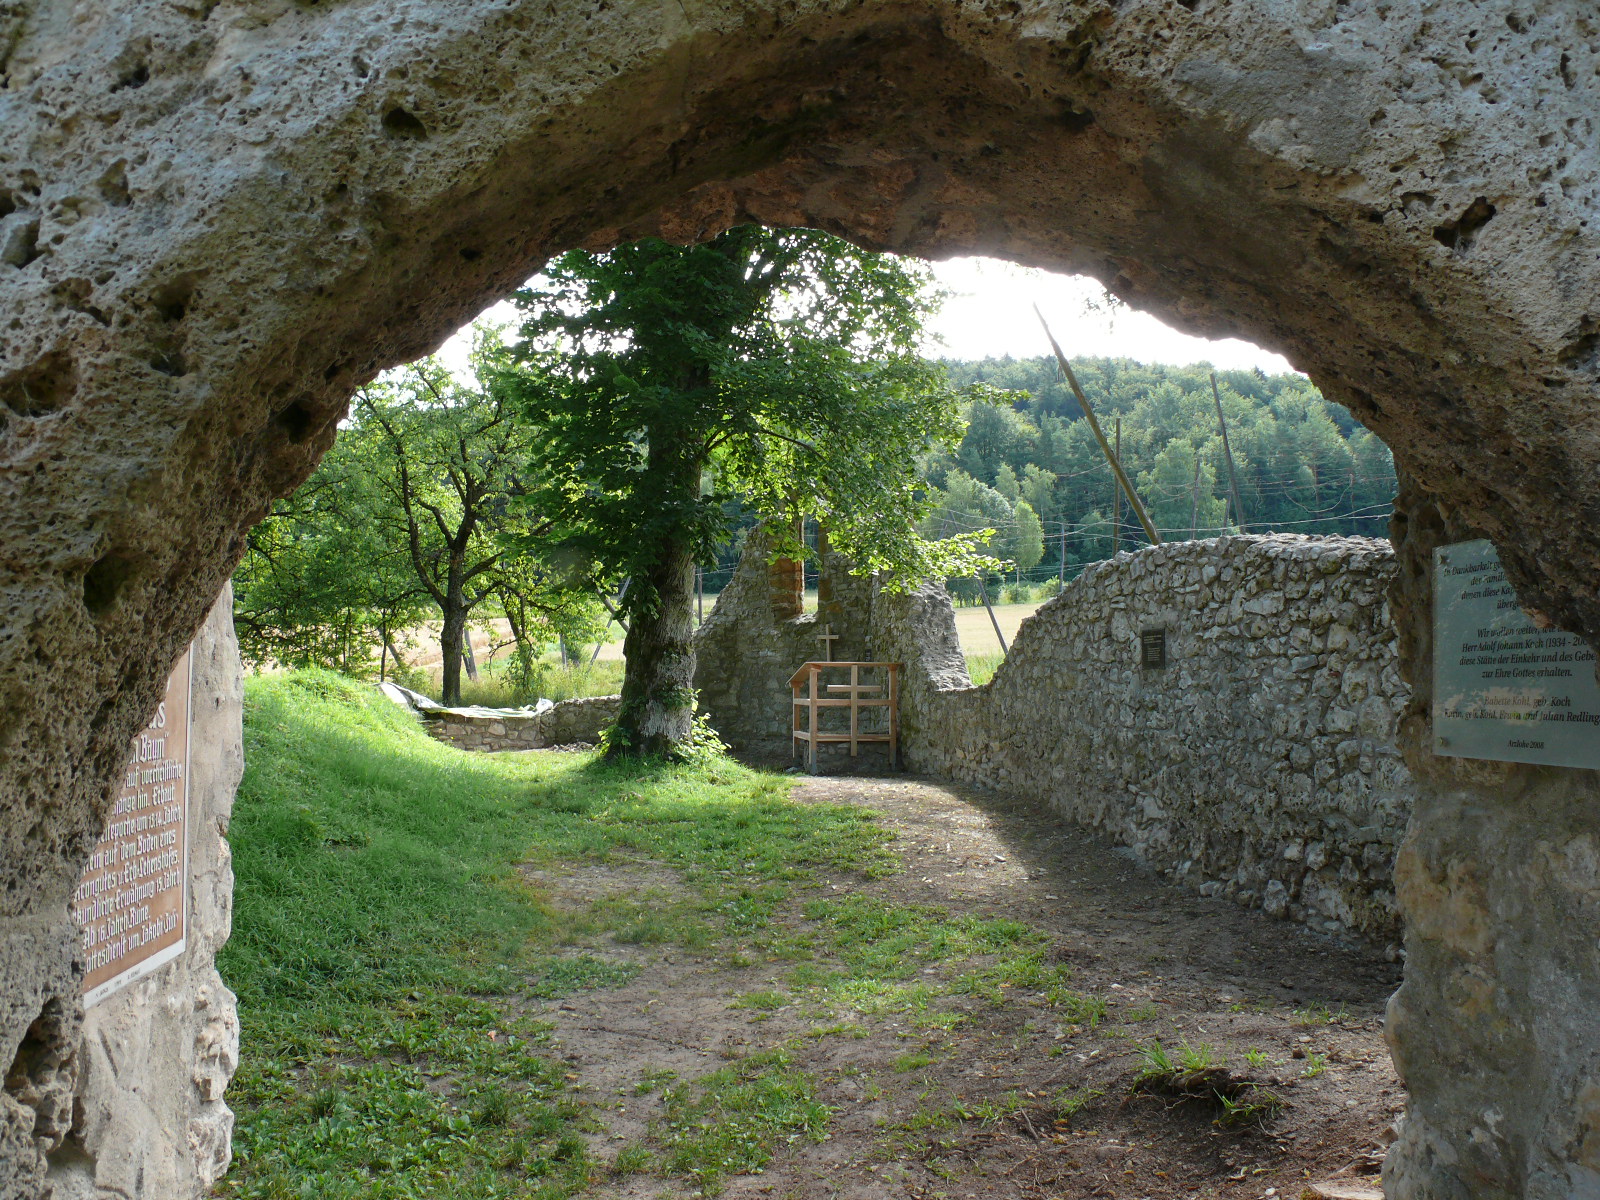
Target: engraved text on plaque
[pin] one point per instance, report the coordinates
(1502, 687)
(133, 899)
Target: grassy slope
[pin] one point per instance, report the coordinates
(386, 946)
(383, 938)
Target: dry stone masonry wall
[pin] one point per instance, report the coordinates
(489, 729)
(1260, 761)
(1257, 760)
(749, 647)
(217, 219)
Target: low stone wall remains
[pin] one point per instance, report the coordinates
(1258, 761)
(493, 729)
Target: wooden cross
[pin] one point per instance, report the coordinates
(827, 637)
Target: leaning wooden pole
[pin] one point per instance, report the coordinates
(1194, 507)
(1105, 448)
(1116, 496)
(1233, 476)
(983, 591)
(615, 616)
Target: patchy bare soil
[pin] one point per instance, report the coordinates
(1000, 1090)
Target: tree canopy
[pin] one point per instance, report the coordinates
(779, 367)
(1304, 464)
(414, 511)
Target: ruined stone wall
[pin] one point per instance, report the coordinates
(750, 645)
(218, 219)
(152, 1060)
(1259, 763)
(570, 721)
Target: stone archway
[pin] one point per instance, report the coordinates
(218, 217)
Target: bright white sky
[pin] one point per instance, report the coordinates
(989, 313)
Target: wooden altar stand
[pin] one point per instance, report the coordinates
(810, 695)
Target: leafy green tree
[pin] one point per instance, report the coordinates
(1005, 482)
(965, 506)
(452, 463)
(1303, 463)
(782, 362)
(1093, 537)
(1168, 491)
(413, 509)
(1374, 487)
(1027, 542)
(321, 583)
(1039, 490)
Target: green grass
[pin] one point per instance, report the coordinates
(767, 1001)
(916, 1060)
(1084, 1010)
(1158, 1063)
(731, 1121)
(1070, 1102)
(1318, 1013)
(981, 667)
(493, 689)
(384, 942)
(1201, 1057)
(392, 941)
(1255, 1106)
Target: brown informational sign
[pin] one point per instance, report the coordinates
(133, 900)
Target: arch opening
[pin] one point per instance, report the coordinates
(1417, 238)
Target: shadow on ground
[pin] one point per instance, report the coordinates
(1163, 1044)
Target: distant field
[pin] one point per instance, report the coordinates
(972, 626)
(977, 633)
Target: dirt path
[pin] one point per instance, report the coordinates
(955, 1083)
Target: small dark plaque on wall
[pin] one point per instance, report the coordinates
(1153, 648)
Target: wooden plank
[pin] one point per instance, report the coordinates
(1233, 476)
(825, 738)
(855, 707)
(1094, 426)
(815, 676)
(794, 721)
(894, 716)
(806, 734)
(845, 702)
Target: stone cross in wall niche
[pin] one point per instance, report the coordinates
(827, 637)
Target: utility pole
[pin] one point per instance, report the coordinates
(1233, 476)
(1094, 425)
(1116, 497)
(1194, 509)
(615, 616)
(1062, 581)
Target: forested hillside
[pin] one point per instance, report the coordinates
(1029, 466)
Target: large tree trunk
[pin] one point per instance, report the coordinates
(657, 714)
(450, 638)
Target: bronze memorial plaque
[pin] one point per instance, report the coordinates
(1503, 688)
(133, 899)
